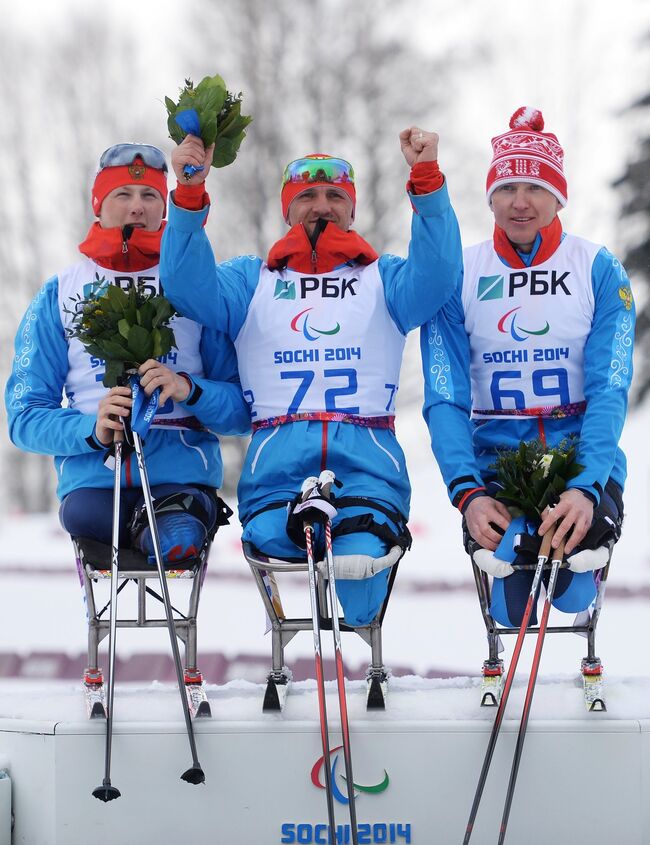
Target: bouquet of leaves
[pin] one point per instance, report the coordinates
(532, 477)
(212, 113)
(123, 328)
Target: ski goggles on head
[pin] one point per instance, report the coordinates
(304, 171)
(129, 164)
(301, 174)
(120, 155)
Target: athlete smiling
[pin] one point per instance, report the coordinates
(558, 311)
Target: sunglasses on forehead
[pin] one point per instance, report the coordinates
(302, 171)
(120, 155)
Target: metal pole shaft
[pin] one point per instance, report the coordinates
(530, 691)
(107, 792)
(194, 775)
(532, 598)
(340, 680)
(320, 679)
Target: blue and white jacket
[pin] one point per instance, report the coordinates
(48, 366)
(286, 324)
(539, 351)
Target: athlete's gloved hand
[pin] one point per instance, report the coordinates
(589, 559)
(311, 505)
(486, 561)
(314, 503)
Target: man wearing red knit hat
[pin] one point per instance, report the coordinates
(319, 328)
(199, 388)
(535, 344)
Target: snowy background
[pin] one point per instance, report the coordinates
(582, 63)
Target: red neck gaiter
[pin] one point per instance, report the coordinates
(551, 236)
(111, 249)
(333, 248)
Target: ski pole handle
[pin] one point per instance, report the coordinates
(545, 548)
(307, 486)
(325, 481)
(558, 554)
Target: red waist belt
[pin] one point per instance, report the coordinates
(553, 412)
(326, 416)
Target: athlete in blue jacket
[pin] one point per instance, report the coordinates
(319, 329)
(200, 393)
(535, 343)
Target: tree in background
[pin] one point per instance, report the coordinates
(634, 186)
(76, 97)
(317, 77)
(324, 76)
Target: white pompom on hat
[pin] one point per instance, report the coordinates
(526, 154)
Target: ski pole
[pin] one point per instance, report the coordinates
(326, 480)
(558, 555)
(318, 658)
(544, 552)
(195, 773)
(107, 792)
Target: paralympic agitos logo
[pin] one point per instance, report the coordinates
(301, 323)
(357, 788)
(508, 323)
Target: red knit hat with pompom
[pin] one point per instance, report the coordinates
(526, 154)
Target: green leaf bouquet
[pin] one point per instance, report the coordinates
(124, 328)
(211, 112)
(532, 477)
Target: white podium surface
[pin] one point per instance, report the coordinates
(585, 778)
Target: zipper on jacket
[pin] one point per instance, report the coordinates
(319, 228)
(127, 231)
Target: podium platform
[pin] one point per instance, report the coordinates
(582, 779)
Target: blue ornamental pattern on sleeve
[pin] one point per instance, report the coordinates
(23, 357)
(620, 366)
(624, 335)
(439, 367)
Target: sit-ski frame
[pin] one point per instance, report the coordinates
(591, 666)
(93, 565)
(284, 629)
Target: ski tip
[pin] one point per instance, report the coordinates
(194, 775)
(106, 793)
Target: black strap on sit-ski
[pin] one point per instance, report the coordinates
(183, 502)
(365, 522)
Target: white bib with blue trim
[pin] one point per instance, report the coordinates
(322, 342)
(528, 328)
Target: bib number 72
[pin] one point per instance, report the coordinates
(306, 377)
